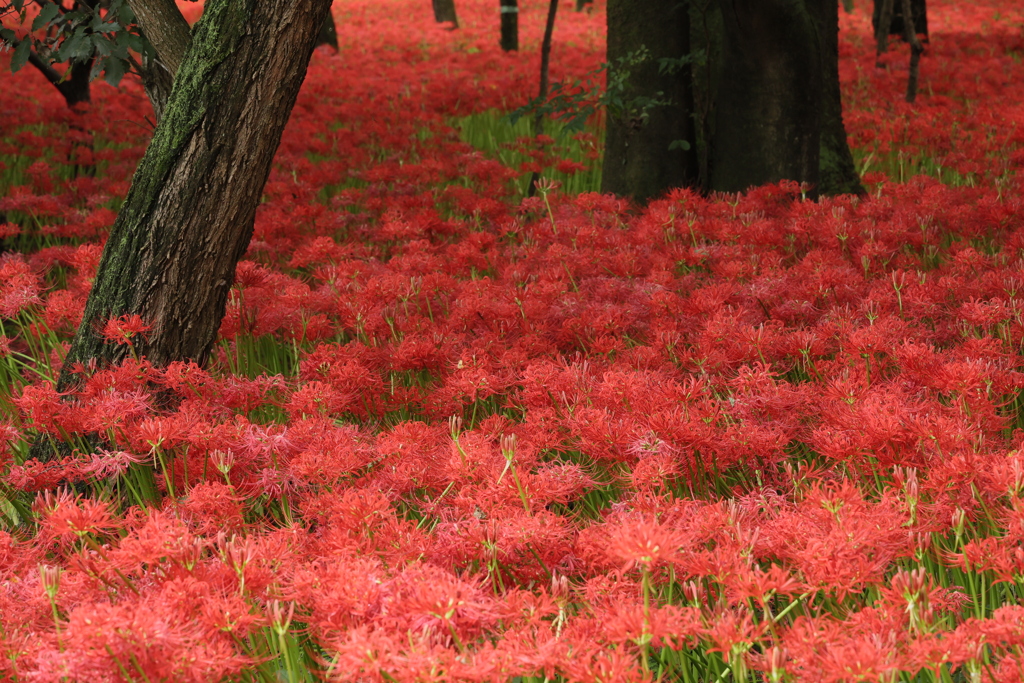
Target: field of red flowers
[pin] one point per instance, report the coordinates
(455, 434)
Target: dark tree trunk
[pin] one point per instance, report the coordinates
(838, 172)
(896, 28)
(188, 216)
(638, 161)
(75, 87)
(328, 33)
(444, 11)
(545, 64)
(509, 25)
(769, 103)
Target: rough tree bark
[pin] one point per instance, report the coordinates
(638, 161)
(188, 216)
(165, 28)
(170, 35)
(509, 25)
(769, 103)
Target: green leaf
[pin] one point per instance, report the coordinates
(8, 36)
(102, 45)
(78, 47)
(46, 16)
(20, 55)
(679, 144)
(125, 15)
(115, 70)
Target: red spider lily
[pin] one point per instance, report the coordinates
(123, 329)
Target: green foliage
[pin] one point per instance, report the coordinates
(573, 104)
(103, 32)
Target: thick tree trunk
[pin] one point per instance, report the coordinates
(638, 161)
(838, 172)
(189, 214)
(444, 11)
(769, 104)
(328, 33)
(509, 25)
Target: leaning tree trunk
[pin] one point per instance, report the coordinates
(170, 35)
(509, 25)
(769, 100)
(444, 11)
(649, 152)
(838, 172)
(189, 214)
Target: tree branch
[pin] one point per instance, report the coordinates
(164, 26)
(48, 71)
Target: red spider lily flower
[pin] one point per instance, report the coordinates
(122, 330)
(104, 464)
(66, 516)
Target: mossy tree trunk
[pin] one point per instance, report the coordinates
(769, 102)
(188, 216)
(638, 160)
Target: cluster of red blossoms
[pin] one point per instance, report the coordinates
(450, 434)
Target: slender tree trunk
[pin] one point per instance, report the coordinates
(444, 11)
(509, 25)
(328, 33)
(896, 28)
(769, 104)
(583, 4)
(916, 49)
(882, 22)
(838, 172)
(189, 214)
(545, 67)
(648, 153)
